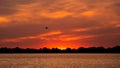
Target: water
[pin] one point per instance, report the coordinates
(59, 60)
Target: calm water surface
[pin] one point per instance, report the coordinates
(59, 60)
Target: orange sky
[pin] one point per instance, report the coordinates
(71, 23)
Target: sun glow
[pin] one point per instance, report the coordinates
(61, 45)
(61, 48)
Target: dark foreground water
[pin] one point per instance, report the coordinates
(59, 60)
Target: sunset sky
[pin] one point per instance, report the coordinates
(71, 23)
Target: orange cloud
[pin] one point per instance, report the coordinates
(51, 33)
(88, 13)
(74, 38)
(118, 25)
(66, 37)
(58, 14)
(22, 15)
(18, 39)
(88, 29)
(41, 36)
(81, 29)
(54, 35)
(3, 19)
(70, 38)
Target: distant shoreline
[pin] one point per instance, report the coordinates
(45, 50)
(59, 53)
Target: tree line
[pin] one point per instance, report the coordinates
(115, 49)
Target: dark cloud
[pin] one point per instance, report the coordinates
(115, 7)
(27, 43)
(101, 31)
(22, 30)
(10, 7)
(104, 40)
(47, 2)
(6, 11)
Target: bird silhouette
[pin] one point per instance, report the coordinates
(46, 27)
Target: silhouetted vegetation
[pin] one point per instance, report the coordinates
(115, 49)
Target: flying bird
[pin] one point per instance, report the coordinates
(46, 27)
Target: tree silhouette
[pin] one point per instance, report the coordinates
(115, 49)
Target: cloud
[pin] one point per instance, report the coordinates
(3, 19)
(8, 7)
(55, 15)
(40, 36)
(115, 7)
(103, 40)
(79, 21)
(51, 33)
